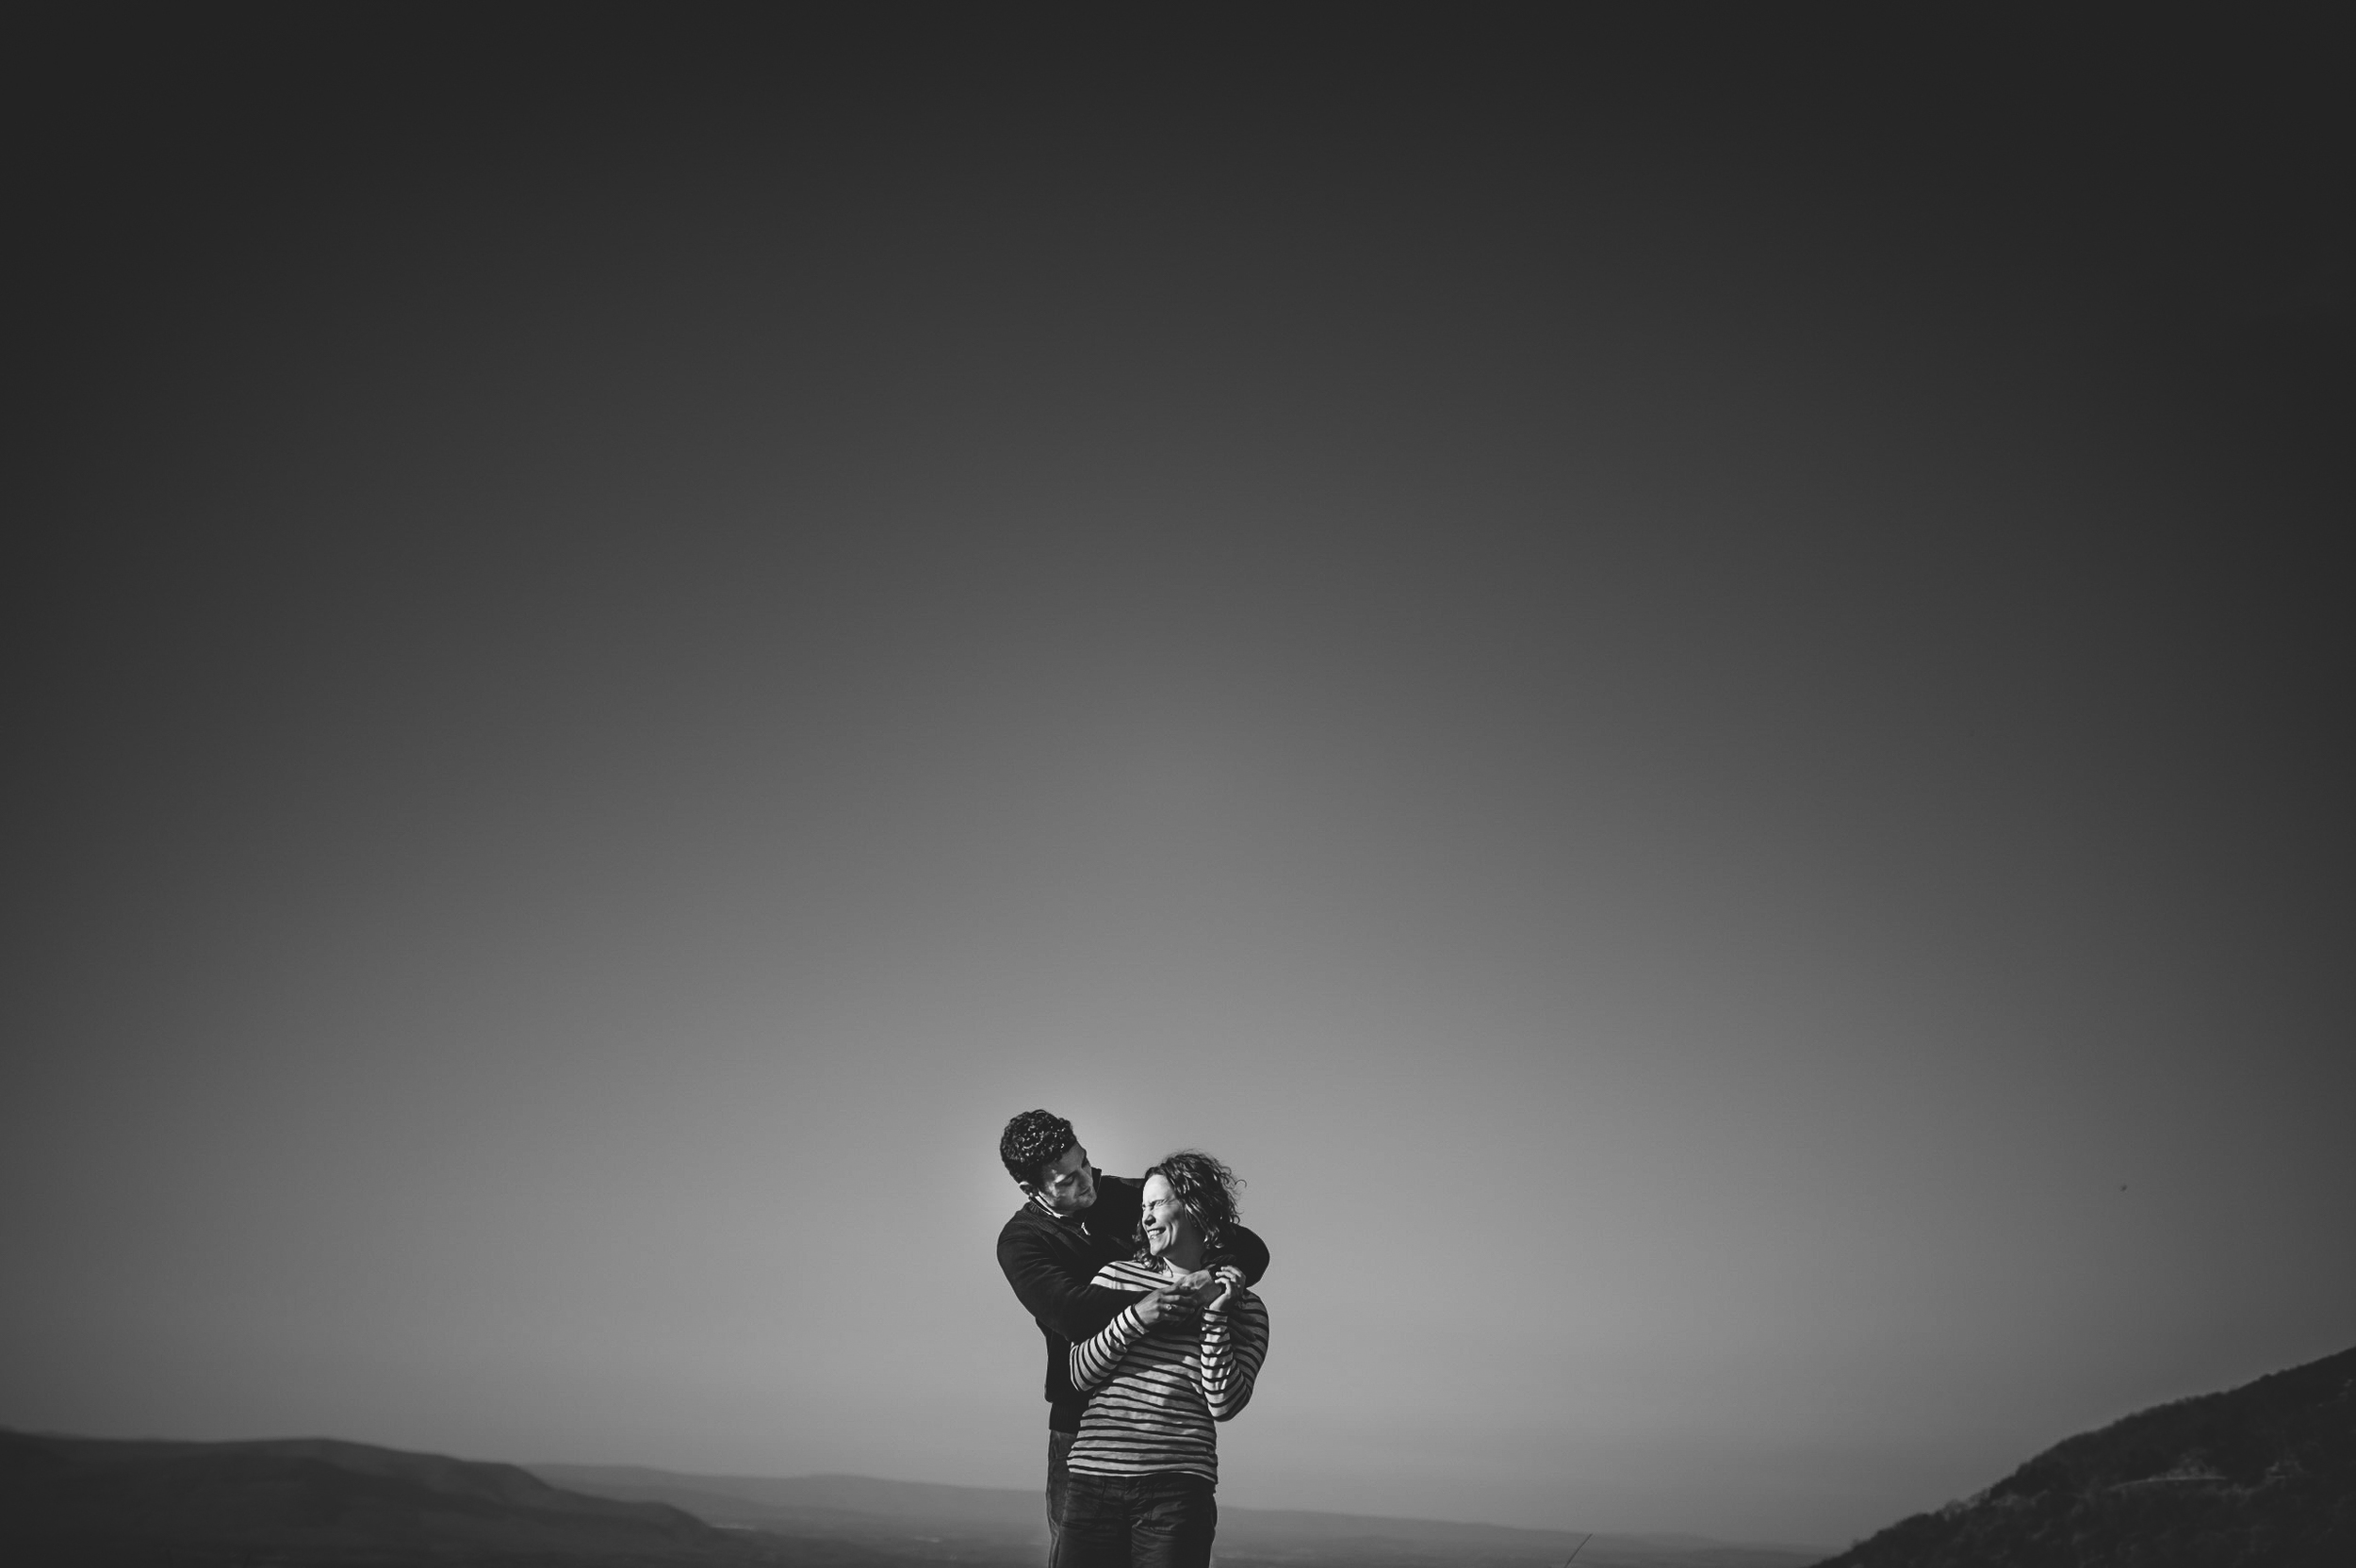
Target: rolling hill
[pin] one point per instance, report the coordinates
(2261, 1474)
(89, 1503)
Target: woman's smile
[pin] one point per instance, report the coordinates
(1166, 1222)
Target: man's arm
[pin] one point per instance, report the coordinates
(1247, 1251)
(1074, 1309)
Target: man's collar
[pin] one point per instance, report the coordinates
(1080, 1220)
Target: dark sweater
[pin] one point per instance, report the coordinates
(1050, 1259)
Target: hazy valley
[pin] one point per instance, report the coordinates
(2264, 1473)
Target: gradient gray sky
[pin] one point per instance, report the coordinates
(1680, 683)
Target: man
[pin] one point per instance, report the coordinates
(1074, 1221)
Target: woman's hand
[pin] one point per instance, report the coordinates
(1207, 1285)
(1176, 1303)
(1210, 1288)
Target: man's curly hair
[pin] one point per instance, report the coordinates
(1206, 1190)
(1032, 1142)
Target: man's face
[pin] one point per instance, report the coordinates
(1068, 1184)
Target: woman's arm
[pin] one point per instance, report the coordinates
(1093, 1359)
(1234, 1342)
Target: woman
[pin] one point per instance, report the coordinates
(1146, 1460)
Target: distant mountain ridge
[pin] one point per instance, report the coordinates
(2261, 1474)
(70, 1502)
(980, 1524)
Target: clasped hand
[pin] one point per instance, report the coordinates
(1205, 1290)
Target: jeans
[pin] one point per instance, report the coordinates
(1165, 1520)
(1058, 1475)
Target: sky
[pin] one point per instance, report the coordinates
(1682, 681)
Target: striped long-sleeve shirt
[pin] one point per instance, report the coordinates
(1155, 1392)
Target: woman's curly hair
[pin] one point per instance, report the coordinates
(1206, 1190)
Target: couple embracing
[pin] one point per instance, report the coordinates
(1141, 1289)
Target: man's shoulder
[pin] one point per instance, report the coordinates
(1031, 1232)
(1027, 1221)
(1118, 1198)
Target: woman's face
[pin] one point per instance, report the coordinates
(1167, 1221)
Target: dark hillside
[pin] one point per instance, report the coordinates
(2264, 1473)
(86, 1503)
